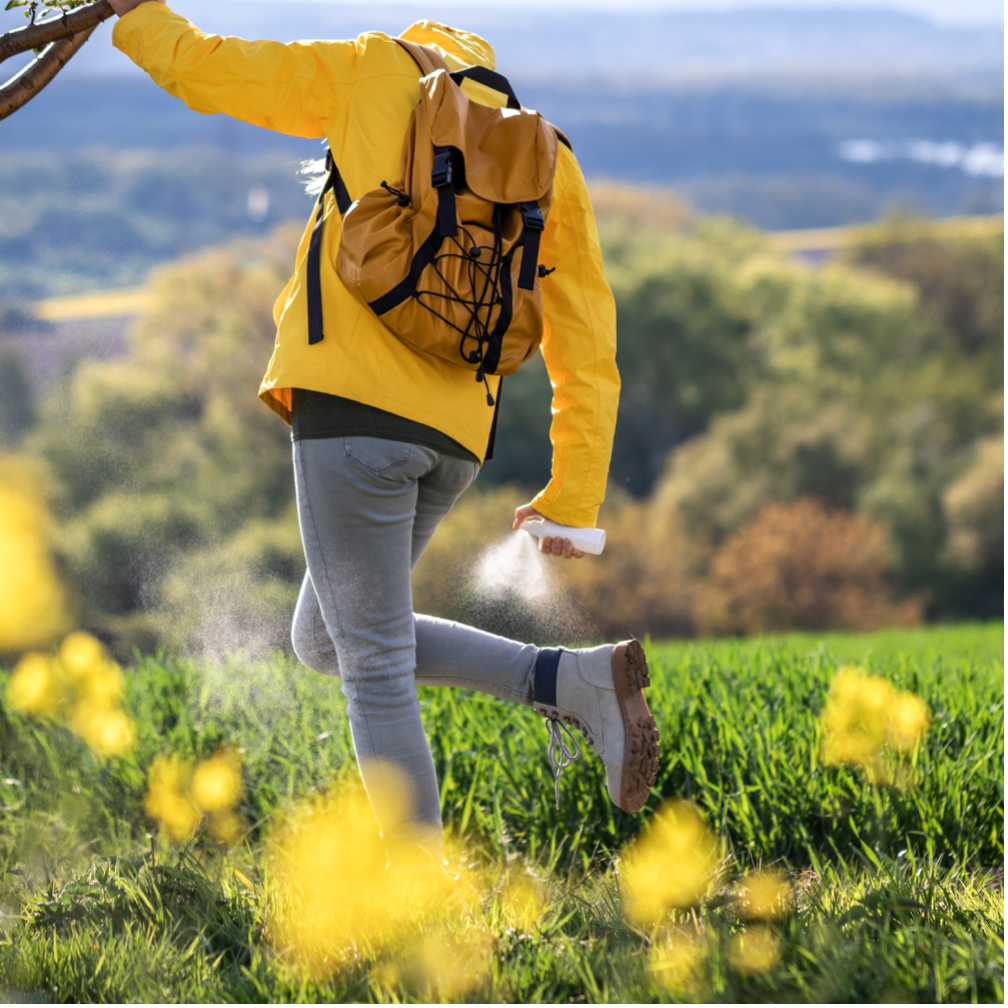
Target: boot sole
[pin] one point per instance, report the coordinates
(640, 751)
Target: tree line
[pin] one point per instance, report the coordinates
(864, 390)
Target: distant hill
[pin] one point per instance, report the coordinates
(789, 119)
(782, 152)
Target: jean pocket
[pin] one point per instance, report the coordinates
(377, 455)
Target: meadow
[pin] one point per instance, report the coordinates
(890, 883)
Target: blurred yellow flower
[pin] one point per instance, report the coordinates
(33, 604)
(226, 827)
(858, 703)
(521, 903)
(165, 799)
(102, 686)
(177, 798)
(81, 654)
(34, 688)
(337, 892)
(764, 895)
(386, 973)
(756, 950)
(863, 714)
(906, 721)
(108, 731)
(216, 783)
(671, 864)
(676, 964)
(82, 688)
(444, 968)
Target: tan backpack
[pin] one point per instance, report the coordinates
(448, 257)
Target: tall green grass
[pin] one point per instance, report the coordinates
(740, 737)
(898, 890)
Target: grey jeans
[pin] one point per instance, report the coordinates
(367, 508)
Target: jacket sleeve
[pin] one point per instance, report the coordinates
(293, 88)
(579, 346)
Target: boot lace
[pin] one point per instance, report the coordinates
(561, 755)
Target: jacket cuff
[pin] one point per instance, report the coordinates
(551, 504)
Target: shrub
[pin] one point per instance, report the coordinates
(803, 566)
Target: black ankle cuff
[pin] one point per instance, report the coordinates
(545, 678)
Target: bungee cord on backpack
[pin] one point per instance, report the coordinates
(484, 298)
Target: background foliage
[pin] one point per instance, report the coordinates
(870, 386)
(96, 217)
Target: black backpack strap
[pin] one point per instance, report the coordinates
(496, 82)
(334, 181)
(490, 79)
(441, 179)
(493, 426)
(532, 230)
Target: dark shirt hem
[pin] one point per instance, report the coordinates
(317, 415)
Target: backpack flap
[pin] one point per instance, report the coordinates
(510, 154)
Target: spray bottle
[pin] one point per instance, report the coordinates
(586, 540)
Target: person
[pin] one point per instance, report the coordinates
(385, 439)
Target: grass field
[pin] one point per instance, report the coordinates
(896, 890)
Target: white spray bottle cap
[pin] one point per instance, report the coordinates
(586, 540)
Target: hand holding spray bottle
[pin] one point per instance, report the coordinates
(586, 540)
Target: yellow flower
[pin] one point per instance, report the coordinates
(676, 964)
(108, 732)
(756, 950)
(81, 688)
(338, 892)
(216, 784)
(865, 713)
(764, 895)
(857, 704)
(386, 973)
(34, 688)
(165, 800)
(849, 748)
(670, 865)
(33, 604)
(226, 827)
(522, 903)
(102, 685)
(81, 654)
(437, 966)
(906, 721)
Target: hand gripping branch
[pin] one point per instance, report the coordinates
(60, 36)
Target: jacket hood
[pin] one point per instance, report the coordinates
(469, 49)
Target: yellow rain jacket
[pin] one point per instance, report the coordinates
(358, 94)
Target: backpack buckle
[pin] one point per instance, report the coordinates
(441, 175)
(532, 216)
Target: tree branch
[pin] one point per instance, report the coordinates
(35, 36)
(20, 90)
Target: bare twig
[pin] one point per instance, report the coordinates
(29, 82)
(36, 36)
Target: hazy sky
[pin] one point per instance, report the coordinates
(947, 12)
(964, 12)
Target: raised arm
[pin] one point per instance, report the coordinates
(295, 88)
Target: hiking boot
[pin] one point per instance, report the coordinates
(601, 691)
